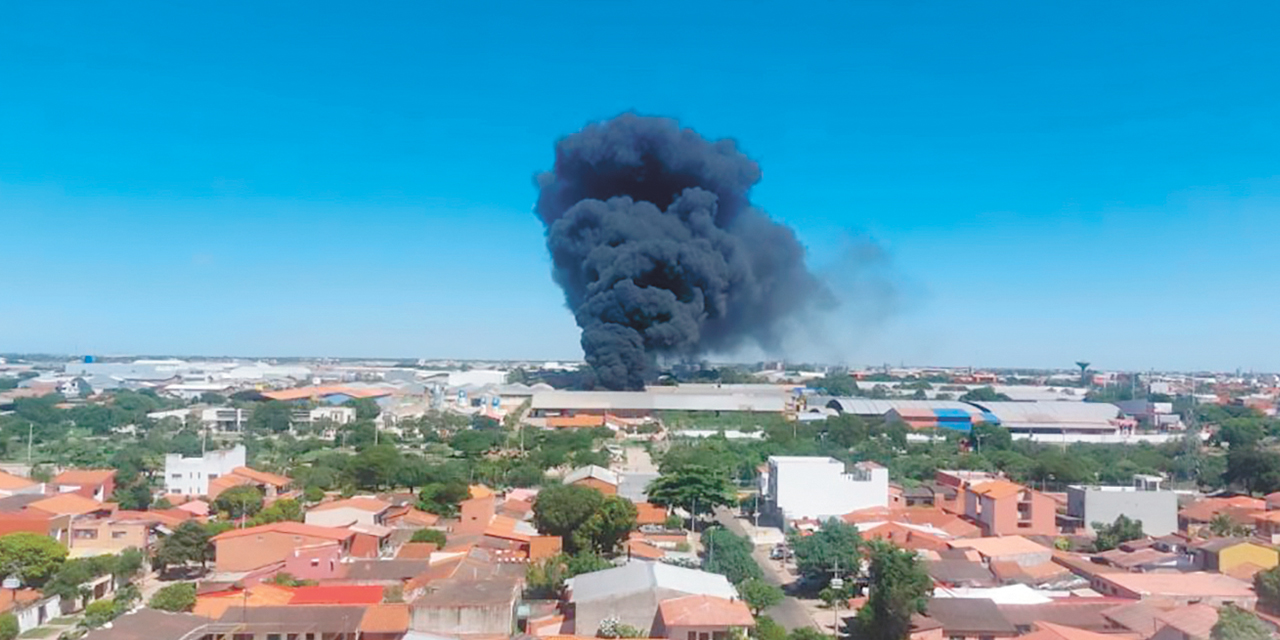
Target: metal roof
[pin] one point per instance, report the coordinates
(1051, 413)
(639, 577)
(868, 407)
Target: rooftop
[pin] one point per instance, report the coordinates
(337, 594)
(592, 471)
(638, 577)
(1194, 584)
(288, 528)
(149, 624)
(700, 610)
(969, 617)
(306, 393)
(360, 503)
(84, 477)
(1000, 546)
(67, 504)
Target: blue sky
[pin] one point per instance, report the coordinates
(1050, 183)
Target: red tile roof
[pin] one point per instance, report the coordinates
(84, 477)
(697, 611)
(362, 503)
(337, 594)
(8, 481)
(67, 504)
(385, 618)
(650, 513)
(417, 550)
(262, 477)
(288, 528)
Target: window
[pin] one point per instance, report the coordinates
(212, 476)
(85, 534)
(693, 635)
(315, 562)
(719, 635)
(273, 636)
(176, 476)
(116, 535)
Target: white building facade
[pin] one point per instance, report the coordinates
(191, 476)
(820, 488)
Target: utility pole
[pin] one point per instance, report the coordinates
(837, 585)
(31, 430)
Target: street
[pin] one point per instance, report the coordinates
(789, 613)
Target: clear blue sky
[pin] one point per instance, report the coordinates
(1098, 180)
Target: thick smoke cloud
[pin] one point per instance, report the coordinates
(659, 251)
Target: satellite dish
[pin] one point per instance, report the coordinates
(11, 582)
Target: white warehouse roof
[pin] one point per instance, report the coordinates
(647, 401)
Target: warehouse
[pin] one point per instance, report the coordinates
(644, 404)
(917, 414)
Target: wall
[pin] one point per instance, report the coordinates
(495, 620)
(1158, 510)
(793, 480)
(1232, 557)
(682, 633)
(364, 545)
(109, 537)
(1000, 516)
(320, 562)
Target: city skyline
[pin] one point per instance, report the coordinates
(1025, 187)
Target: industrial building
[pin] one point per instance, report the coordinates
(1146, 501)
(644, 404)
(917, 414)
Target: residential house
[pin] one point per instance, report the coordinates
(362, 595)
(321, 561)
(788, 489)
(650, 515)
(70, 504)
(956, 572)
(475, 513)
(96, 484)
(385, 622)
(224, 419)
(11, 485)
(1015, 549)
(1239, 510)
(1227, 555)
(271, 485)
(342, 513)
(370, 540)
(15, 517)
(93, 536)
(701, 617)
(151, 624)
(1050, 631)
(191, 475)
(970, 619)
(1145, 501)
(30, 607)
(1182, 589)
(321, 622)
(1186, 623)
(631, 593)
(460, 607)
(258, 547)
(594, 477)
(382, 573)
(950, 487)
(1005, 508)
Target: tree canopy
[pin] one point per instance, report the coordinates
(32, 557)
(695, 488)
(899, 589)
(1110, 536)
(817, 554)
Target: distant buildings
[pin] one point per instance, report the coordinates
(819, 488)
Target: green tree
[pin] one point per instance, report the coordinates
(31, 557)
(604, 530)
(1267, 585)
(429, 535)
(695, 488)
(545, 579)
(1223, 526)
(282, 510)
(8, 626)
(806, 633)
(175, 597)
(313, 494)
(239, 502)
(189, 543)
(768, 629)
(585, 562)
(984, 394)
(99, 612)
(817, 554)
(443, 498)
(212, 398)
(1255, 469)
(837, 384)
(559, 510)
(729, 555)
(376, 466)
(1235, 623)
(1240, 432)
(900, 588)
(1110, 536)
(990, 437)
(270, 417)
(366, 408)
(759, 595)
(128, 565)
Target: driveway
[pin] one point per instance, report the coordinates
(789, 613)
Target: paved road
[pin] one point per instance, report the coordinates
(638, 460)
(789, 613)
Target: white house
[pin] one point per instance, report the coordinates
(820, 488)
(191, 476)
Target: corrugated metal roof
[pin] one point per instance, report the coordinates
(869, 407)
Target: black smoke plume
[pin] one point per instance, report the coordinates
(659, 251)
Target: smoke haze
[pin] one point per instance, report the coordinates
(659, 251)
